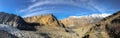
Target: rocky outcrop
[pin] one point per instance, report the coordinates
(44, 20)
(4, 34)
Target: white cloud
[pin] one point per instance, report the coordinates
(37, 6)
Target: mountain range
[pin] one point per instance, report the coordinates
(48, 26)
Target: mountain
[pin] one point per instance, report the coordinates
(111, 24)
(29, 23)
(103, 27)
(44, 20)
(106, 28)
(73, 21)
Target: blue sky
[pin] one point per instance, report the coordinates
(60, 8)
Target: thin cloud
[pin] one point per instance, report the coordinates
(37, 6)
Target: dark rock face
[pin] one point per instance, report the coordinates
(15, 21)
(4, 34)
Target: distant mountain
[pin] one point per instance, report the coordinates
(83, 20)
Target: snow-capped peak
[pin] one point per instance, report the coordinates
(92, 15)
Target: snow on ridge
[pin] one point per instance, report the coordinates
(92, 15)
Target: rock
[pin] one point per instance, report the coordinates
(4, 34)
(44, 20)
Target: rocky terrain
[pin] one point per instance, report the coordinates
(47, 26)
